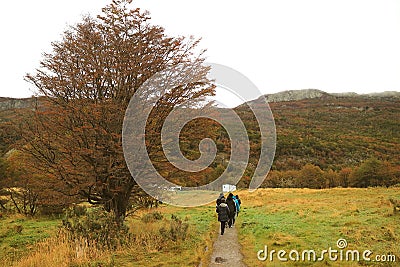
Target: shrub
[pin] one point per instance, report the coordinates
(177, 229)
(152, 217)
(51, 209)
(94, 227)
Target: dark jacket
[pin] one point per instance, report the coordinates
(223, 212)
(221, 196)
(231, 205)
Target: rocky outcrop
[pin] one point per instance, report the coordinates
(295, 95)
(17, 103)
(292, 95)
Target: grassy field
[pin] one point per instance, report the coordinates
(303, 219)
(190, 252)
(38, 242)
(18, 235)
(281, 219)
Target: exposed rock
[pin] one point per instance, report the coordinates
(295, 95)
(16, 103)
(349, 94)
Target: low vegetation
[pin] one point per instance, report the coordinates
(306, 219)
(19, 233)
(334, 134)
(281, 219)
(164, 236)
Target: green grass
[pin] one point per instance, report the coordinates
(151, 248)
(18, 234)
(303, 219)
(287, 219)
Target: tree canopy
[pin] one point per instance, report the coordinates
(88, 79)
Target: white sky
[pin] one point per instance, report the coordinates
(335, 46)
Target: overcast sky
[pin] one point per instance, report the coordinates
(335, 46)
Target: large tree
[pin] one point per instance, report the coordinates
(88, 80)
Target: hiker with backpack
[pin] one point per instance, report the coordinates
(223, 213)
(232, 209)
(237, 203)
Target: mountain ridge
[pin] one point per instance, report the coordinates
(303, 94)
(7, 103)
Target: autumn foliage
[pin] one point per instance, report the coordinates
(88, 80)
(26, 190)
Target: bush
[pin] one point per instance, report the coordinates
(177, 229)
(79, 210)
(152, 217)
(51, 209)
(94, 227)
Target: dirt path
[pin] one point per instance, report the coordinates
(226, 250)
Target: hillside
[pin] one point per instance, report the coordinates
(9, 110)
(294, 95)
(7, 103)
(331, 131)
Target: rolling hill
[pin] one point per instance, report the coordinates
(331, 131)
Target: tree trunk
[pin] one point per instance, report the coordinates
(120, 204)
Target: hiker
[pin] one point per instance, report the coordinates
(240, 202)
(232, 209)
(223, 213)
(219, 198)
(237, 203)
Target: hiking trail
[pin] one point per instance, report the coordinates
(226, 250)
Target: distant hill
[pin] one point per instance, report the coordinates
(385, 94)
(331, 131)
(294, 95)
(7, 103)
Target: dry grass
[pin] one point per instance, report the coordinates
(152, 243)
(152, 249)
(59, 251)
(280, 218)
(316, 219)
